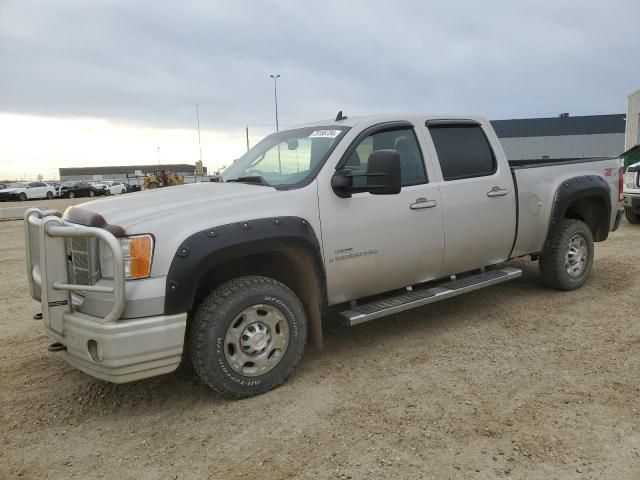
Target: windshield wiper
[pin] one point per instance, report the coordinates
(255, 179)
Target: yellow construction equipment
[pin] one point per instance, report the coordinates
(161, 178)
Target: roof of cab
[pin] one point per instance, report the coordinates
(350, 121)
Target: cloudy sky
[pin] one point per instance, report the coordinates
(108, 82)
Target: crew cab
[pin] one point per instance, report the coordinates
(631, 195)
(22, 191)
(366, 216)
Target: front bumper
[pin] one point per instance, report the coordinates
(122, 351)
(108, 347)
(632, 201)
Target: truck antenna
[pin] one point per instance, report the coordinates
(340, 116)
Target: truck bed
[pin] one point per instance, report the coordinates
(536, 182)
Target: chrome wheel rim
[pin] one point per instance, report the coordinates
(256, 340)
(577, 255)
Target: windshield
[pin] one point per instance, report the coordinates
(286, 158)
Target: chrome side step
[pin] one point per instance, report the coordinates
(417, 298)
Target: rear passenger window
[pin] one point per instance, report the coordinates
(463, 151)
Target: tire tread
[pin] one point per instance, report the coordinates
(553, 252)
(202, 321)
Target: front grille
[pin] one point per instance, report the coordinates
(83, 260)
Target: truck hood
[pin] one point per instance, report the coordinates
(142, 211)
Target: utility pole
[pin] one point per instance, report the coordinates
(158, 153)
(247, 132)
(198, 121)
(275, 95)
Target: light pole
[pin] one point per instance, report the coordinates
(275, 94)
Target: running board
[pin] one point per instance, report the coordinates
(417, 298)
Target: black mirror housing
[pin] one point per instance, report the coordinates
(383, 176)
(383, 173)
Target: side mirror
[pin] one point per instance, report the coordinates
(292, 144)
(383, 173)
(382, 176)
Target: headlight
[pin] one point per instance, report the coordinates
(137, 251)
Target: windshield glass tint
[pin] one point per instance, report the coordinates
(286, 158)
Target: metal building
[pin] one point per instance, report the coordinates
(562, 137)
(632, 134)
(127, 173)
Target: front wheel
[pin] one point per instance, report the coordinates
(631, 216)
(91, 193)
(71, 195)
(567, 258)
(49, 195)
(247, 336)
(22, 197)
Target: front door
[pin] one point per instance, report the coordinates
(478, 196)
(376, 243)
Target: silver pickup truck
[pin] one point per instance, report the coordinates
(368, 216)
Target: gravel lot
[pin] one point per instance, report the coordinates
(515, 381)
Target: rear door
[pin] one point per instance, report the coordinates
(477, 194)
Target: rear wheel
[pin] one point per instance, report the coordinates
(631, 216)
(247, 336)
(71, 195)
(91, 193)
(152, 185)
(565, 263)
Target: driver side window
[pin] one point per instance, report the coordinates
(412, 171)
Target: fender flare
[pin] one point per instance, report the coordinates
(577, 188)
(202, 251)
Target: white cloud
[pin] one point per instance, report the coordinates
(35, 145)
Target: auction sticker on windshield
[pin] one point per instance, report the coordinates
(325, 133)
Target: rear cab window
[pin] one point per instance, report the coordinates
(463, 150)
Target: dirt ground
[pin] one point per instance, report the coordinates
(515, 381)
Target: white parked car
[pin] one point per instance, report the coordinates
(116, 188)
(27, 191)
(111, 187)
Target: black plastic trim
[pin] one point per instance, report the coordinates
(452, 122)
(517, 199)
(577, 188)
(203, 250)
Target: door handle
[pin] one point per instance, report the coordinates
(423, 203)
(497, 192)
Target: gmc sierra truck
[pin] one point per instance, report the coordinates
(367, 216)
